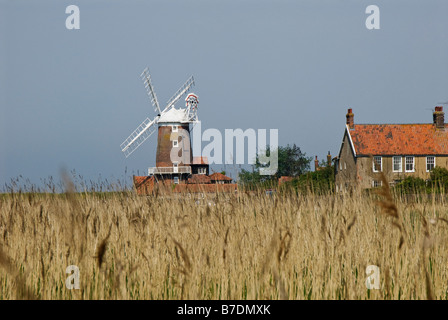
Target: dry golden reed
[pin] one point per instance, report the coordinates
(243, 246)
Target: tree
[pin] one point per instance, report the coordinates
(291, 162)
(439, 178)
(319, 181)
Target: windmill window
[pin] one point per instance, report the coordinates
(175, 143)
(174, 129)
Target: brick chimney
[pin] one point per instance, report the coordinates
(350, 119)
(438, 118)
(316, 164)
(329, 159)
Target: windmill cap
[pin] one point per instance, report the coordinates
(174, 115)
(192, 95)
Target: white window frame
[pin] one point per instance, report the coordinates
(175, 143)
(381, 164)
(401, 164)
(413, 163)
(434, 163)
(378, 183)
(174, 129)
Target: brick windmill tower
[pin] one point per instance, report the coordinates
(174, 153)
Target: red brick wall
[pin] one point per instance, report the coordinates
(146, 186)
(164, 145)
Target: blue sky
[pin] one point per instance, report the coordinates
(68, 98)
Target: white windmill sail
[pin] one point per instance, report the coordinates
(146, 77)
(143, 132)
(147, 127)
(179, 93)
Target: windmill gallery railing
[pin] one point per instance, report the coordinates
(169, 170)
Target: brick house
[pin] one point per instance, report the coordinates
(192, 178)
(397, 150)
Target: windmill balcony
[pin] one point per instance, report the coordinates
(169, 170)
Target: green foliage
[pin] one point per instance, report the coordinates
(320, 181)
(439, 178)
(253, 180)
(292, 162)
(412, 185)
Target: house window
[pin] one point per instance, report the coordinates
(430, 163)
(175, 143)
(397, 164)
(202, 170)
(174, 129)
(377, 163)
(340, 165)
(376, 183)
(176, 180)
(409, 164)
(345, 165)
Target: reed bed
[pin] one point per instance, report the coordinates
(242, 246)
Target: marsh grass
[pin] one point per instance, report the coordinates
(243, 246)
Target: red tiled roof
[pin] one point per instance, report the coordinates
(199, 178)
(284, 179)
(139, 180)
(147, 185)
(399, 139)
(217, 176)
(208, 188)
(200, 160)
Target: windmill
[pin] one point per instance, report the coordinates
(169, 123)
